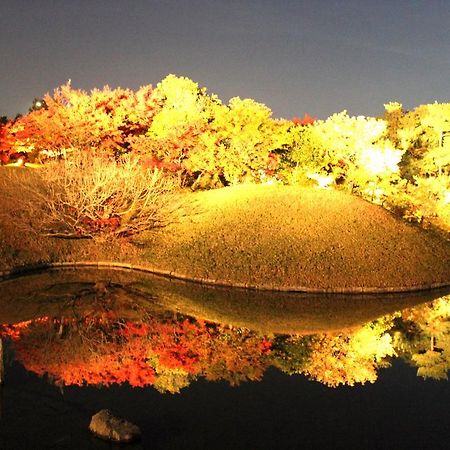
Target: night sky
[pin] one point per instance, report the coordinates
(295, 56)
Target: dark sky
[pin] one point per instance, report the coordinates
(315, 56)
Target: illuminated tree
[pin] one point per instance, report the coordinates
(348, 151)
(212, 143)
(15, 142)
(179, 138)
(425, 165)
(247, 139)
(102, 120)
(4, 148)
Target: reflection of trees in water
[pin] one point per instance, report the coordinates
(169, 350)
(334, 359)
(419, 335)
(423, 337)
(351, 358)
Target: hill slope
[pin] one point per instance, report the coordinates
(298, 238)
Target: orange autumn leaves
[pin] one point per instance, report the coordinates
(104, 120)
(107, 351)
(176, 126)
(171, 351)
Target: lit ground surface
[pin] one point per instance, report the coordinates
(278, 236)
(263, 236)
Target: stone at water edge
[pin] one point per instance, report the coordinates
(111, 428)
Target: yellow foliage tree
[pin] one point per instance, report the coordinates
(247, 136)
(351, 151)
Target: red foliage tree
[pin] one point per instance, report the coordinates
(307, 120)
(103, 120)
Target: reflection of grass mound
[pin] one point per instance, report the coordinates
(281, 237)
(79, 292)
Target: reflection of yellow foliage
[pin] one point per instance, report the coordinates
(428, 347)
(431, 364)
(441, 308)
(353, 358)
(370, 341)
(168, 379)
(421, 335)
(331, 364)
(172, 380)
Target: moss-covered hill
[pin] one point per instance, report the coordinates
(290, 237)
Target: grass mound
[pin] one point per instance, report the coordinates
(291, 237)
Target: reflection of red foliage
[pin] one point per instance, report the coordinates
(14, 331)
(266, 346)
(177, 346)
(81, 358)
(105, 350)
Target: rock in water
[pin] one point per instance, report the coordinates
(106, 426)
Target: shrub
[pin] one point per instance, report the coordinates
(94, 196)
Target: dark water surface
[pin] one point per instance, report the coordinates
(399, 411)
(198, 368)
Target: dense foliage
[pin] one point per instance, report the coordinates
(401, 161)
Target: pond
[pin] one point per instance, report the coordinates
(198, 367)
